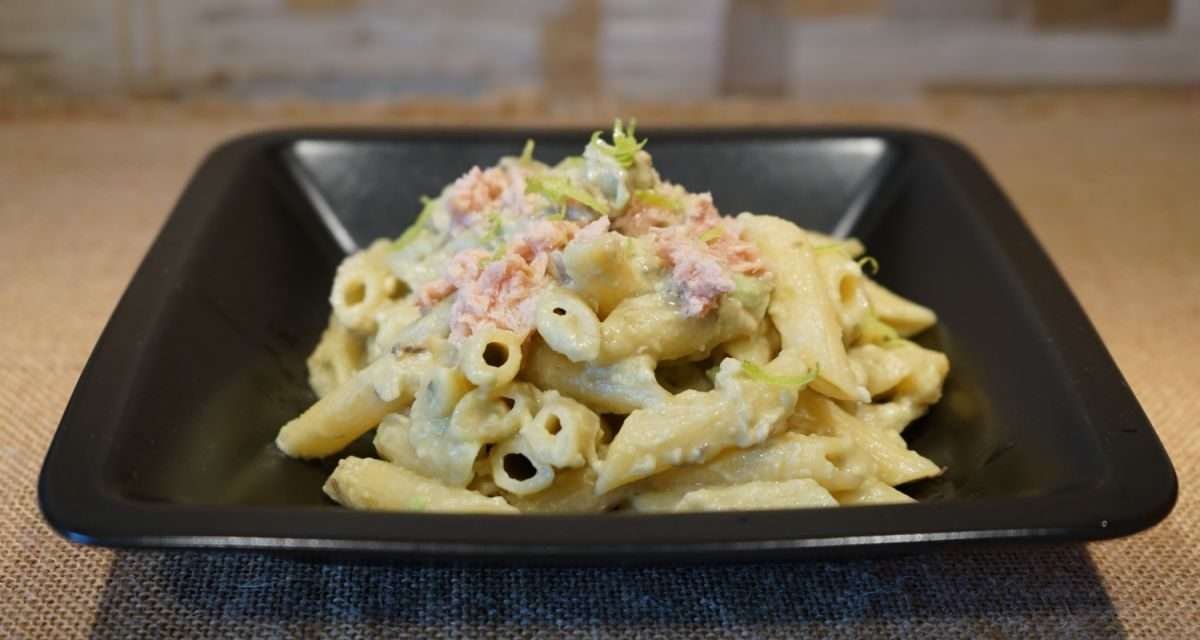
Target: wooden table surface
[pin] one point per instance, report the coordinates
(1109, 182)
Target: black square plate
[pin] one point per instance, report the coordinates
(167, 440)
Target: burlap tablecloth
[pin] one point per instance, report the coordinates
(1109, 183)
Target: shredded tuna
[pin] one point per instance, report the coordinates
(475, 192)
(543, 236)
(464, 267)
(740, 256)
(502, 296)
(514, 198)
(498, 292)
(434, 292)
(696, 273)
(700, 211)
(701, 270)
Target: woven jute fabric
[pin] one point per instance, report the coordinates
(1110, 185)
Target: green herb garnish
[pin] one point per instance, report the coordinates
(422, 220)
(867, 263)
(570, 162)
(527, 152)
(753, 293)
(624, 145)
(757, 373)
(656, 199)
(559, 190)
(712, 234)
(833, 246)
(494, 226)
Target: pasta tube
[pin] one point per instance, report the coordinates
(338, 355)
(895, 463)
(491, 415)
(872, 491)
(365, 483)
(906, 316)
(423, 442)
(650, 325)
(568, 325)
(603, 272)
(835, 463)
(852, 247)
(362, 286)
(517, 469)
(573, 491)
(395, 323)
(619, 387)
(491, 357)
(387, 385)
(564, 433)
(757, 495)
(693, 427)
(801, 310)
(889, 416)
(846, 287)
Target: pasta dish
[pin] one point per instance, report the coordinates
(589, 337)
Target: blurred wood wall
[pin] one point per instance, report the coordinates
(665, 49)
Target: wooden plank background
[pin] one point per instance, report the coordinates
(633, 49)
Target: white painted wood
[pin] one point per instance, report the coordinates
(1185, 16)
(68, 46)
(871, 57)
(671, 49)
(953, 10)
(645, 49)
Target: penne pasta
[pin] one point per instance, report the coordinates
(338, 355)
(601, 271)
(835, 463)
(568, 325)
(872, 491)
(564, 433)
(895, 463)
(693, 427)
(588, 338)
(491, 415)
(354, 408)
(757, 495)
(375, 485)
(423, 441)
(845, 285)
(650, 325)
(362, 287)
(619, 387)
(573, 491)
(517, 469)
(801, 310)
(491, 357)
(906, 316)
(851, 247)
